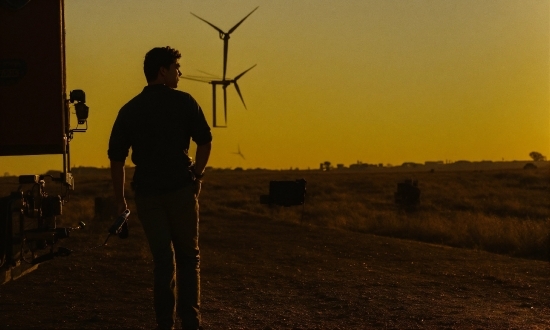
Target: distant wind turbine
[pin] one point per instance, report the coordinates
(239, 152)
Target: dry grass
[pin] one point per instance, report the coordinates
(498, 211)
(503, 211)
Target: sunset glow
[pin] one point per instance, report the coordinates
(377, 81)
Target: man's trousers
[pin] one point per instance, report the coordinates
(171, 224)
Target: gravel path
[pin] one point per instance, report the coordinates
(259, 273)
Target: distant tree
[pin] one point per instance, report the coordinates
(327, 165)
(537, 156)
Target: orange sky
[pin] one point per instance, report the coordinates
(376, 81)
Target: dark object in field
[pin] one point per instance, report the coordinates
(285, 193)
(408, 193)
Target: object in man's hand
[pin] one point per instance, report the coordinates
(116, 228)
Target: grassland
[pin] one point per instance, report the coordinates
(502, 211)
(505, 212)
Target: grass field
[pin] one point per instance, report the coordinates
(503, 211)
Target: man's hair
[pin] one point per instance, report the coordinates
(159, 57)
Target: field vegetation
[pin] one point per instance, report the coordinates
(503, 211)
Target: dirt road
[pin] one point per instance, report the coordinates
(259, 273)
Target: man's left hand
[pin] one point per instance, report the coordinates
(121, 206)
(198, 184)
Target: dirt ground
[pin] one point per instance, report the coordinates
(258, 273)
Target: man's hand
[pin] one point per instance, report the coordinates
(201, 157)
(198, 184)
(117, 175)
(121, 206)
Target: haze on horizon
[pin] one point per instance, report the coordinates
(377, 81)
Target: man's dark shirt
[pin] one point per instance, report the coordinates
(158, 124)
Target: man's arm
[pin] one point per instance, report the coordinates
(201, 157)
(117, 176)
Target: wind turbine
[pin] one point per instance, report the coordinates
(239, 152)
(225, 37)
(224, 83)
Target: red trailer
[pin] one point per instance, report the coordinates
(33, 115)
(34, 120)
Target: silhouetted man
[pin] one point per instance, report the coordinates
(158, 125)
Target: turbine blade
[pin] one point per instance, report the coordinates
(196, 79)
(212, 25)
(245, 71)
(237, 25)
(208, 73)
(239, 92)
